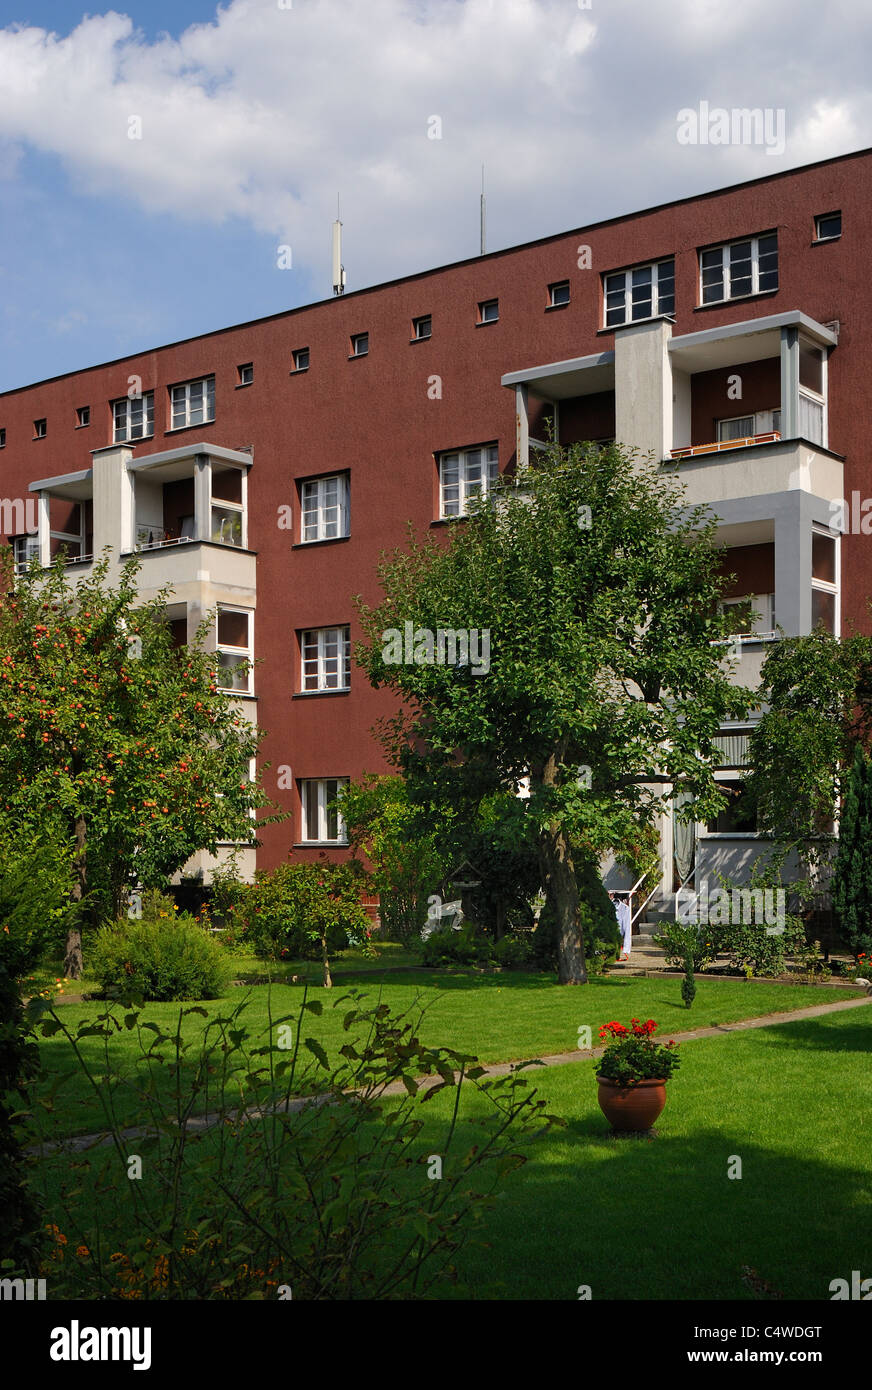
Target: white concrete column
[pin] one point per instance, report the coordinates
(113, 499)
(789, 383)
(44, 529)
(522, 428)
(203, 498)
(643, 387)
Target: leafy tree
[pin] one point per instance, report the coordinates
(852, 876)
(408, 857)
(112, 739)
(816, 699)
(598, 589)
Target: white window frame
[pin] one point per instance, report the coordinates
(738, 774)
(239, 653)
(461, 460)
(417, 325)
(824, 217)
(559, 285)
(764, 625)
(726, 271)
(356, 340)
(241, 370)
(40, 433)
(314, 643)
(823, 586)
(484, 304)
(181, 419)
(237, 510)
(146, 423)
(322, 507)
(23, 547)
(318, 787)
(298, 365)
(762, 422)
(626, 291)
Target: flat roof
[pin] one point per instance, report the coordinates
(451, 265)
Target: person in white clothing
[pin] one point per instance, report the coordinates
(625, 922)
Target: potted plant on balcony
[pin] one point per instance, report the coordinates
(632, 1074)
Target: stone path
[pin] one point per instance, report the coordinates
(558, 1059)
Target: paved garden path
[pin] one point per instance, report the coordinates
(559, 1059)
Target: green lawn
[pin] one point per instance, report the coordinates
(501, 1017)
(660, 1218)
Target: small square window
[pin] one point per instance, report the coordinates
(488, 311)
(2, 438)
(558, 294)
(828, 227)
(39, 429)
(245, 374)
(83, 416)
(359, 344)
(422, 327)
(301, 360)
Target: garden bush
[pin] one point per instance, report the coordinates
(467, 946)
(165, 955)
(700, 940)
(514, 951)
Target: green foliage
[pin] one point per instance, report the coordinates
(34, 905)
(603, 654)
(21, 1222)
(698, 941)
(165, 954)
(632, 1055)
(310, 1200)
(299, 910)
(408, 856)
(514, 951)
(851, 884)
(688, 984)
(811, 963)
(468, 945)
(602, 935)
(112, 738)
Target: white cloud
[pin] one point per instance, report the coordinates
(264, 113)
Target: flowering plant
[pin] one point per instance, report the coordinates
(632, 1055)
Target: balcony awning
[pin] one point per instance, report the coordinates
(578, 376)
(77, 487)
(750, 340)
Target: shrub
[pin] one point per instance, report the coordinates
(688, 984)
(514, 951)
(632, 1055)
(751, 950)
(467, 946)
(164, 957)
(34, 910)
(700, 940)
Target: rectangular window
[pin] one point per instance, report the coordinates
(234, 649)
(558, 294)
(422, 327)
(245, 374)
(39, 429)
(3, 438)
(324, 508)
(23, 548)
(227, 507)
(83, 416)
(359, 344)
(640, 293)
(747, 426)
(133, 419)
(322, 823)
(738, 269)
(737, 817)
(301, 360)
(824, 581)
(488, 311)
(326, 658)
(742, 613)
(193, 403)
(828, 227)
(465, 473)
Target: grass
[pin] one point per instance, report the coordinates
(505, 1017)
(661, 1218)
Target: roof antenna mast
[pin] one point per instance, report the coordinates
(483, 213)
(338, 267)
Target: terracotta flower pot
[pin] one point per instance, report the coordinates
(631, 1107)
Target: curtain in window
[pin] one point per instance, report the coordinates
(683, 837)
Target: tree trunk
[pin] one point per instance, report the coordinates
(73, 962)
(558, 874)
(328, 983)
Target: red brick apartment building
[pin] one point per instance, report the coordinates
(261, 469)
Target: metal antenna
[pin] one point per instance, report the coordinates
(338, 267)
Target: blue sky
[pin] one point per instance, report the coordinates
(116, 237)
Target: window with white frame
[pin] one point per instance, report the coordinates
(23, 548)
(488, 311)
(642, 292)
(322, 823)
(746, 426)
(750, 617)
(324, 508)
(133, 418)
(234, 649)
(739, 268)
(326, 658)
(193, 403)
(825, 580)
(558, 294)
(422, 327)
(465, 473)
(359, 344)
(812, 396)
(828, 226)
(227, 507)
